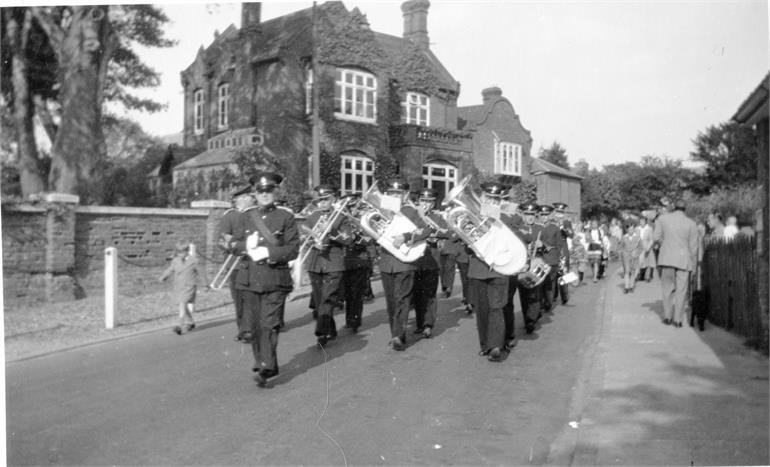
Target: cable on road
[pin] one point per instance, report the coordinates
(326, 406)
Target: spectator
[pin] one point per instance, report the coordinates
(578, 254)
(731, 228)
(185, 274)
(595, 239)
(716, 225)
(630, 250)
(677, 235)
(647, 256)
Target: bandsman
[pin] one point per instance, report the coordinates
(325, 261)
(427, 275)
(567, 232)
(529, 298)
(551, 240)
(398, 276)
(357, 266)
(268, 238)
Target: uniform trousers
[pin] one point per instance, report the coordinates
(242, 320)
(463, 268)
(326, 295)
(398, 297)
(265, 310)
(354, 282)
(530, 304)
(548, 286)
(674, 283)
(489, 298)
(424, 296)
(558, 289)
(448, 263)
(508, 309)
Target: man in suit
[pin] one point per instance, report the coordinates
(677, 236)
(268, 239)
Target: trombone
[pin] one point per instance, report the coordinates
(225, 271)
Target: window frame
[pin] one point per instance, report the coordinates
(427, 179)
(507, 158)
(412, 102)
(198, 101)
(223, 106)
(356, 96)
(367, 175)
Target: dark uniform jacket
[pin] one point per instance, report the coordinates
(332, 257)
(430, 260)
(273, 273)
(552, 243)
(388, 262)
(227, 225)
(358, 253)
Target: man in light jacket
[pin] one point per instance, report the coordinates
(677, 236)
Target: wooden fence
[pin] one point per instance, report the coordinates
(731, 278)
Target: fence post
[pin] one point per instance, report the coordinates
(110, 285)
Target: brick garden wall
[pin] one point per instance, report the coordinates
(56, 252)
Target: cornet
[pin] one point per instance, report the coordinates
(223, 275)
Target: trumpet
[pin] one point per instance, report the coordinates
(317, 235)
(225, 271)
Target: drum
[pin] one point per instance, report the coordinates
(538, 271)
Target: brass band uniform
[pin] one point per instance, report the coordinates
(427, 275)
(567, 232)
(398, 276)
(242, 199)
(358, 263)
(551, 239)
(514, 222)
(489, 292)
(325, 262)
(268, 237)
(529, 297)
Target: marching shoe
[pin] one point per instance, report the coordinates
(447, 293)
(190, 327)
(322, 340)
(511, 343)
(495, 355)
(529, 329)
(419, 330)
(426, 332)
(678, 325)
(397, 343)
(483, 353)
(247, 338)
(667, 321)
(177, 330)
(262, 376)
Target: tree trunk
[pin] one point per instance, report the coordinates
(31, 178)
(79, 146)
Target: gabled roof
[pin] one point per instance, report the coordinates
(395, 46)
(755, 107)
(220, 156)
(542, 166)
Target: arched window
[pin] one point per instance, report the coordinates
(356, 172)
(198, 111)
(223, 105)
(441, 176)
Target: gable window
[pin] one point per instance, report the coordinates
(355, 96)
(356, 173)
(416, 109)
(223, 99)
(507, 158)
(309, 90)
(198, 112)
(440, 176)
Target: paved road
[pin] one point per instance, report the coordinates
(162, 399)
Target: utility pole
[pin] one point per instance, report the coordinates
(314, 165)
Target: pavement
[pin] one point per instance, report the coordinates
(659, 395)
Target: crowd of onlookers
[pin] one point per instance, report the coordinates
(630, 240)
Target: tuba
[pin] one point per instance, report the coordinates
(489, 238)
(382, 225)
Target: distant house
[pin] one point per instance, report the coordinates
(380, 105)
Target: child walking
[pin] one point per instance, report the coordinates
(185, 274)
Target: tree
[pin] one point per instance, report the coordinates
(730, 152)
(581, 168)
(73, 59)
(556, 155)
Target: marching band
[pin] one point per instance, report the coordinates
(498, 247)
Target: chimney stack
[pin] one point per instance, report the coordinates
(251, 16)
(491, 93)
(416, 22)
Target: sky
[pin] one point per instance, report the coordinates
(610, 81)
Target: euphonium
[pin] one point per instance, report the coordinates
(383, 225)
(316, 237)
(489, 238)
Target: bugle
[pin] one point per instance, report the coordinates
(225, 271)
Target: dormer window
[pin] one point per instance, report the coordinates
(198, 112)
(355, 96)
(416, 109)
(223, 105)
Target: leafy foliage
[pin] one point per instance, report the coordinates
(730, 152)
(555, 154)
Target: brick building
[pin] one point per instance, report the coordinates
(335, 102)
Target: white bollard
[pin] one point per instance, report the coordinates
(110, 286)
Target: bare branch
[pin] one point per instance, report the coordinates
(53, 31)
